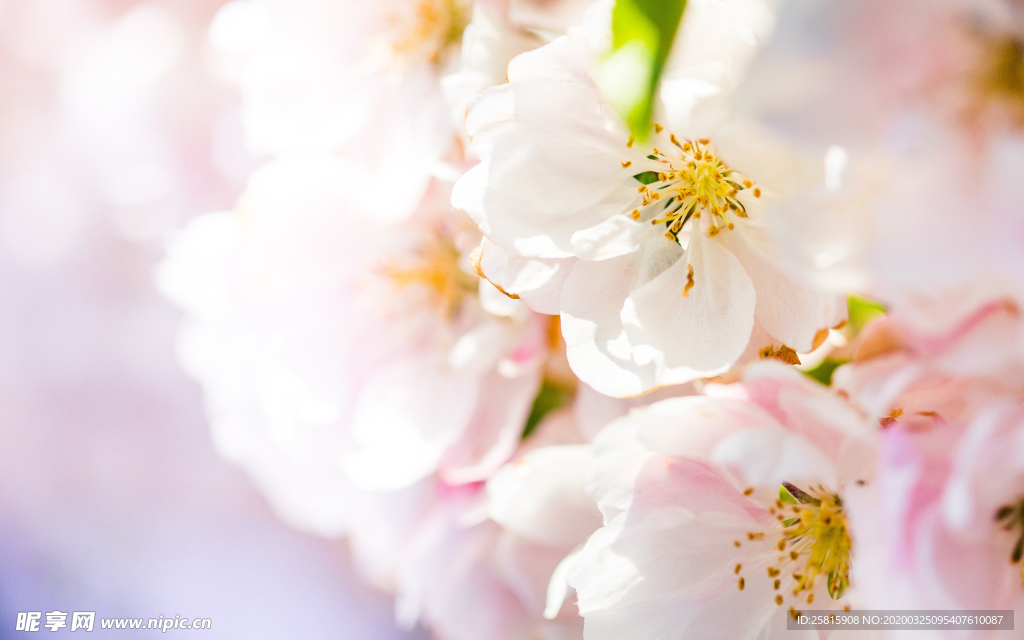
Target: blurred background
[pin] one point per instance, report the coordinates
(117, 123)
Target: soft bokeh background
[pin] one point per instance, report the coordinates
(116, 125)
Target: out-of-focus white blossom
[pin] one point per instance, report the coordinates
(480, 562)
(109, 113)
(914, 111)
(348, 349)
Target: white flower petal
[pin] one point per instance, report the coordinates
(537, 282)
(692, 425)
(652, 572)
(601, 351)
(767, 457)
(555, 61)
(552, 166)
(618, 458)
(707, 329)
(468, 195)
(541, 496)
(558, 587)
(790, 311)
(405, 419)
(493, 431)
(497, 303)
(480, 348)
(614, 237)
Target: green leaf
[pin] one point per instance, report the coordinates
(862, 311)
(823, 372)
(551, 396)
(646, 177)
(642, 35)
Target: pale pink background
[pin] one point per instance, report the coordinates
(114, 130)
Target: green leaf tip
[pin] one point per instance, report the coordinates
(550, 396)
(862, 311)
(642, 36)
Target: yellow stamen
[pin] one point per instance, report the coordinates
(819, 535)
(429, 30)
(434, 270)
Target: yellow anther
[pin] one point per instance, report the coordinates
(821, 539)
(427, 30)
(433, 270)
(703, 184)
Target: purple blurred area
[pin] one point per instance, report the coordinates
(112, 499)
(111, 496)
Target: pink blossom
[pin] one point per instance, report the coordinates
(938, 524)
(694, 544)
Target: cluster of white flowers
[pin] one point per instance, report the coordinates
(554, 379)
